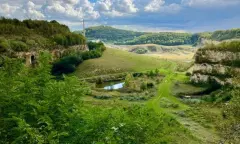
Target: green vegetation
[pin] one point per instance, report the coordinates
(35, 108)
(117, 61)
(157, 103)
(163, 38)
(109, 34)
(232, 46)
(226, 34)
(135, 89)
(69, 63)
(27, 35)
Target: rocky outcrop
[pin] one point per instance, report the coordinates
(216, 67)
(32, 56)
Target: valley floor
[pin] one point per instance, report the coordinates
(118, 61)
(164, 92)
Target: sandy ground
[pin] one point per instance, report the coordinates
(171, 56)
(185, 54)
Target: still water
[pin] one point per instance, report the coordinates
(111, 85)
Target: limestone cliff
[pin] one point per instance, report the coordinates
(216, 66)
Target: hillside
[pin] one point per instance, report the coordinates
(27, 35)
(180, 52)
(118, 61)
(163, 38)
(110, 34)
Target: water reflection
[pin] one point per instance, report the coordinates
(114, 86)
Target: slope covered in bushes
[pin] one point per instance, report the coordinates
(69, 63)
(16, 35)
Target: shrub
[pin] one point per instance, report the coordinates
(99, 80)
(66, 65)
(91, 54)
(96, 46)
(143, 86)
(128, 80)
(4, 46)
(18, 46)
(150, 85)
(103, 97)
(141, 51)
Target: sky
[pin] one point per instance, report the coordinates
(138, 15)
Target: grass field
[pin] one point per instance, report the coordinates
(118, 61)
(205, 135)
(180, 52)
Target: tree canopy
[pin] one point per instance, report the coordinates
(29, 34)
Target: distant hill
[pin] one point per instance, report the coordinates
(109, 34)
(163, 38)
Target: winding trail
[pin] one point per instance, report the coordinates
(205, 135)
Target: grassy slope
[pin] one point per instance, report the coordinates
(164, 92)
(117, 61)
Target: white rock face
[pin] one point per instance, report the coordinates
(215, 67)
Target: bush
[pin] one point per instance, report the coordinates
(96, 46)
(91, 54)
(66, 65)
(4, 46)
(150, 85)
(18, 46)
(229, 127)
(140, 51)
(143, 86)
(103, 97)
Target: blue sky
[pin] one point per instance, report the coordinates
(138, 15)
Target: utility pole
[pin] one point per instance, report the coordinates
(84, 32)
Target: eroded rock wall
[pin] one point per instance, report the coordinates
(218, 67)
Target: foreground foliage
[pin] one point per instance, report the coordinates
(35, 108)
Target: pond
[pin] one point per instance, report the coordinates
(111, 85)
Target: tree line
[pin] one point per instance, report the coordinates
(117, 36)
(16, 35)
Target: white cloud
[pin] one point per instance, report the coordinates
(31, 11)
(72, 8)
(159, 6)
(7, 10)
(114, 13)
(172, 8)
(210, 3)
(154, 5)
(104, 5)
(125, 6)
(116, 8)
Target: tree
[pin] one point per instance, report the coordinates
(128, 80)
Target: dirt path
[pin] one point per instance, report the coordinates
(205, 135)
